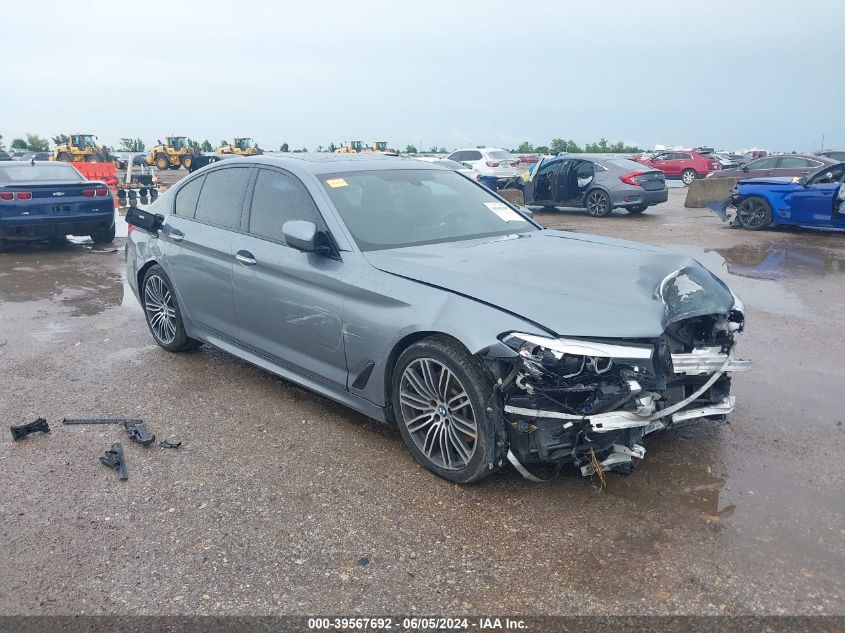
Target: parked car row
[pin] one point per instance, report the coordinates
(686, 165)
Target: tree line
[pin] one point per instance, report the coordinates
(35, 143)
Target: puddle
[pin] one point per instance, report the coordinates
(62, 272)
(756, 272)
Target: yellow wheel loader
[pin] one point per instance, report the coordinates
(80, 148)
(174, 153)
(241, 146)
(352, 147)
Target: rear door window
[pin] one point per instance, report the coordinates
(222, 197)
(186, 198)
(277, 198)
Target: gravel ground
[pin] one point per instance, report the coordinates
(282, 502)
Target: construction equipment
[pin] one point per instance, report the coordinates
(352, 147)
(80, 148)
(241, 146)
(174, 153)
(358, 147)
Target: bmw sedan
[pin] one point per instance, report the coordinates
(412, 294)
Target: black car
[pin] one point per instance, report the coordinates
(5, 156)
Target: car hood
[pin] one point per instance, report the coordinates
(569, 284)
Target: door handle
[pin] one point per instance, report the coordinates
(245, 258)
(175, 235)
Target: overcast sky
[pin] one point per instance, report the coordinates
(738, 74)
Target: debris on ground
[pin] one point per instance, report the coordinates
(115, 460)
(36, 426)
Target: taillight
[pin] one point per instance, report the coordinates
(631, 179)
(515, 163)
(492, 164)
(102, 192)
(6, 195)
(23, 195)
(88, 193)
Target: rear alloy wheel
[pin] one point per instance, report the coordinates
(640, 208)
(162, 312)
(598, 203)
(439, 393)
(688, 176)
(162, 161)
(754, 213)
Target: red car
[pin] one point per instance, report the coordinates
(686, 164)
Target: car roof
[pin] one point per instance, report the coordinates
(823, 159)
(330, 163)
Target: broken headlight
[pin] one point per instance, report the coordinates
(571, 357)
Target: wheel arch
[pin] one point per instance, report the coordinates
(398, 348)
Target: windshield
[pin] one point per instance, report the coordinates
(244, 143)
(83, 140)
(396, 208)
(26, 173)
(178, 142)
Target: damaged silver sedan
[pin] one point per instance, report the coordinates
(410, 293)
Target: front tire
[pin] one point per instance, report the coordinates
(162, 313)
(688, 176)
(162, 161)
(95, 158)
(754, 213)
(439, 394)
(65, 157)
(598, 203)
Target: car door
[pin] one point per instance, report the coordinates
(198, 246)
(760, 168)
(289, 304)
(818, 200)
(662, 162)
(541, 188)
(795, 166)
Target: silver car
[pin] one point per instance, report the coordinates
(596, 183)
(412, 294)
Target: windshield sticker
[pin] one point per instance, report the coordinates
(504, 212)
(334, 183)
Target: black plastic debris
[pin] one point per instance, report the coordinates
(115, 460)
(36, 426)
(166, 444)
(137, 429)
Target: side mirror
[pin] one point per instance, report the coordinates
(301, 235)
(527, 212)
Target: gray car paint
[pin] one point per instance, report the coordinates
(337, 315)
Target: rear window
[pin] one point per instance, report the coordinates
(501, 155)
(27, 173)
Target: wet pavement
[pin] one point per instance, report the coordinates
(280, 501)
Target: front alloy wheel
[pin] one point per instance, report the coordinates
(754, 213)
(439, 393)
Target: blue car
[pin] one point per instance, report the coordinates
(51, 199)
(815, 201)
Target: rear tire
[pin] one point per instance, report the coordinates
(104, 237)
(688, 175)
(161, 311)
(640, 208)
(162, 161)
(754, 213)
(598, 203)
(439, 394)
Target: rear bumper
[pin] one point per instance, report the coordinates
(22, 227)
(636, 196)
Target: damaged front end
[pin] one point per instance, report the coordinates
(590, 403)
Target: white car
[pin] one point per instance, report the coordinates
(461, 168)
(488, 161)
